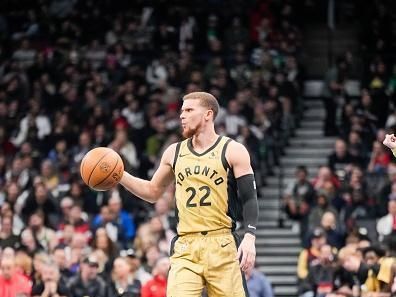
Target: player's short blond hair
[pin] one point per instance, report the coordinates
(206, 100)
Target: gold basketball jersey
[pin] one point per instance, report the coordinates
(205, 197)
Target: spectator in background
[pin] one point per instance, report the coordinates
(18, 173)
(234, 120)
(325, 181)
(7, 237)
(106, 220)
(334, 234)
(30, 243)
(333, 93)
(163, 212)
(52, 284)
(34, 127)
(385, 274)
(88, 282)
(122, 219)
(299, 198)
(105, 249)
(123, 280)
(387, 224)
(251, 142)
(309, 255)
(66, 233)
(81, 196)
(45, 236)
(379, 159)
(321, 276)
(258, 285)
(371, 258)
(356, 272)
(40, 200)
(62, 260)
(78, 220)
(66, 205)
(137, 269)
(84, 145)
(17, 223)
(49, 175)
(323, 205)
(101, 137)
(340, 160)
(151, 255)
(155, 142)
(11, 282)
(24, 264)
(25, 54)
(60, 155)
(164, 236)
(134, 115)
(156, 287)
(356, 149)
(126, 149)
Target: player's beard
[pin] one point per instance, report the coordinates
(189, 132)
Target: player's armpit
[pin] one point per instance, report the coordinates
(152, 190)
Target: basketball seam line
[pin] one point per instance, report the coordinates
(115, 166)
(93, 169)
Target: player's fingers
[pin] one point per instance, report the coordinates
(252, 259)
(248, 262)
(243, 261)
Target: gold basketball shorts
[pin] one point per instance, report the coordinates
(206, 259)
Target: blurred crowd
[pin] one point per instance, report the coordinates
(75, 75)
(347, 212)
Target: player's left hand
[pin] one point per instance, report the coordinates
(247, 250)
(390, 141)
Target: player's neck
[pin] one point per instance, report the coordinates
(204, 140)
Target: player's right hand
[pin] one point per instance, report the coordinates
(390, 141)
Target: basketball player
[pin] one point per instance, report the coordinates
(206, 168)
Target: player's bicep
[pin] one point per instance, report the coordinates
(164, 176)
(239, 159)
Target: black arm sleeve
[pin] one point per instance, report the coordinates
(248, 194)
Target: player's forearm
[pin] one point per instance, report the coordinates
(140, 187)
(248, 194)
(250, 216)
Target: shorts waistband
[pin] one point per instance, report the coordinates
(208, 233)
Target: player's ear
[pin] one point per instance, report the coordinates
(209, 114)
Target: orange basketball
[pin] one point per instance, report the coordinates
(101, 168)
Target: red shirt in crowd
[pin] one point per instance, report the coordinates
(15, 285)
(155, 287)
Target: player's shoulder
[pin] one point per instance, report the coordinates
(235, 146)
(169, 153)
(236, 152)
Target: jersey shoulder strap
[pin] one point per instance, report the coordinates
(176, 154)
(223, 153)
